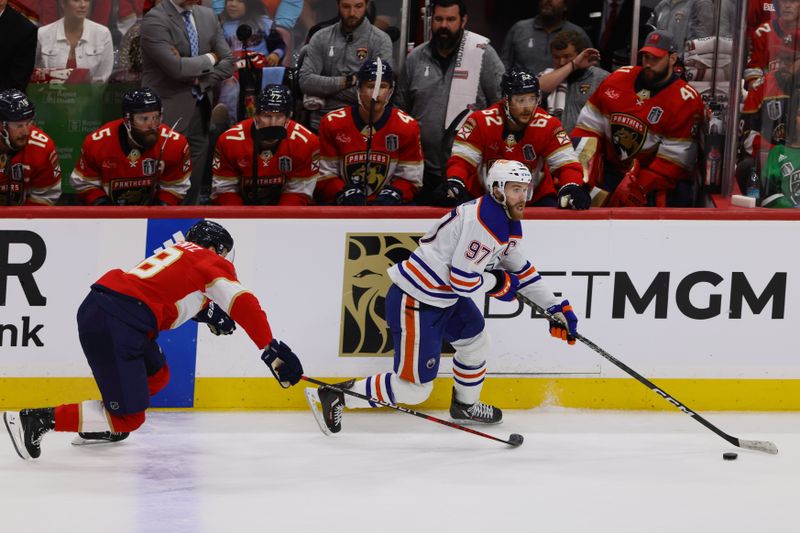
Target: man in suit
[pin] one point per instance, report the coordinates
(17, 48)
(184, 57)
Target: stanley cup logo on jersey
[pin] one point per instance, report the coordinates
(364, 331)
(628, 134)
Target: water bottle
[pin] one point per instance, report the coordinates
(754, 186)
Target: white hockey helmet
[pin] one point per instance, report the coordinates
(502, 171)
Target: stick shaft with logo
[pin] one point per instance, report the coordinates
(759, 445)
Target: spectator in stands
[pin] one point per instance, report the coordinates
(29, 169)
(573, 77)
(782, 174)
(442, 79)
(73, 41)
(134, 160)
(528, 42)
(642, 123)
(335, 53)
(515, 128)
(40, 12)
(184, 68)
(774, 38)
(391, 174)
(129, 67)
(609, 24)
(266, 160)
(17, 48)
(265, 48)
(285, 14)
(765, 111)
(686, 20)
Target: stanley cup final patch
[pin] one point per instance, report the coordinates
(392, 142)
(149, 167)
(655, 115)
(285, 163)
(774, 109)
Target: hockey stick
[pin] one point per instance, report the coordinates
(514, 439)
(758, 445)
(376, 91)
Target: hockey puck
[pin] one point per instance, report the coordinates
(730, 456)
(515, 440)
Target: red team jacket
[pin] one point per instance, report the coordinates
(31, 176)
(544, 147)
(110, 166)
(286, 177)
(658, 130)
(177, 282)
(764, 115)
(395, 158)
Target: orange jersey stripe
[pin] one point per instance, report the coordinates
(468, 284)
(468, 376)
(422, 278)
(378, 392)
(407, 372)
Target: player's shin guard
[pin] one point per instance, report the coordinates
(388, 387)
(469, 367)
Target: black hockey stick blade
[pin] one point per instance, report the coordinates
(514, 440)
(758, 445)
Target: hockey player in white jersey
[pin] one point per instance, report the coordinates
(474, 249)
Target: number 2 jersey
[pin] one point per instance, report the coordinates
(285, 175)
(543, 146)
(454, 257)
(31, 176)
(395, 154)
(176, 282)
(110, 165)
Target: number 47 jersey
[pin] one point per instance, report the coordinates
(454, 257)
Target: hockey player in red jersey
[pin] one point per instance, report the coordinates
(134, 160)
(389, 137)
(281, 154)
(474, 250)
(517, 129)
(636, 137)
(29, 169)
(119, 322)
(773, 40)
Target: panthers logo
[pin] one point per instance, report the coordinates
(628, 134)
(363, 327)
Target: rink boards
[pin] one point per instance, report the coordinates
(706, 308)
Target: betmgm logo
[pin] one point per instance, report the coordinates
(32, 247)
(367, 257)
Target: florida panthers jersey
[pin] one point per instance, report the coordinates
(395, 155)
(31, 176)
(764, 115)
(543, 146)
(770, 43)
(177, 282)
(454, 257)
(110, 165)
(658, 129)
(283, 176)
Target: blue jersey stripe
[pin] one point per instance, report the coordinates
(417, 259)
(443, 295)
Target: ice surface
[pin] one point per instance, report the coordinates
(578, 471)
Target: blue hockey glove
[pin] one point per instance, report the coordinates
(352, 194)
(388, 196)
(505, 287)
(283, 363)
(218, 320)
(574, 196)
(564, 324)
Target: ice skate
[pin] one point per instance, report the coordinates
(99, 437)
(26, 429)
(327, 405)
(476, 413)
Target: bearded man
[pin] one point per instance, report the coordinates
(442, 79)
(134, 160)
(642, 124)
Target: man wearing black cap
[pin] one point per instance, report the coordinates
(642, 122)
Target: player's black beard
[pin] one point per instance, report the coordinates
(145, 140)
(652, 79)
(444, 39)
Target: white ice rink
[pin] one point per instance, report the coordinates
(578, 471)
